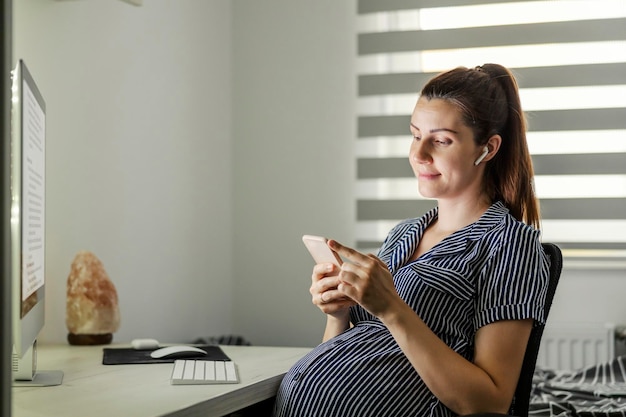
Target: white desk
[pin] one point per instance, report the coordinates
(92, 389)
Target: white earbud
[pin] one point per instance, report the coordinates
(482, 156)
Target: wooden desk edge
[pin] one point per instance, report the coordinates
(233, 401)
(248, 393)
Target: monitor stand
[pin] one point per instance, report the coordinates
(25, 373)
(42, 379)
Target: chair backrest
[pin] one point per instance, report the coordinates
(519, 406)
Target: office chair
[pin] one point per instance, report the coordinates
(521, 399)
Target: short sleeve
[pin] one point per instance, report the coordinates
(513, 283)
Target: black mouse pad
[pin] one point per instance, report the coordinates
(126, 356)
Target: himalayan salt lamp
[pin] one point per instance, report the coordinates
(92, 314)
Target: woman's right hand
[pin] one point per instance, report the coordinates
(324, 293)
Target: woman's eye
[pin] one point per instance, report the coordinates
(417, 138)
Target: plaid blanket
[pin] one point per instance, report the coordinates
(598, 390)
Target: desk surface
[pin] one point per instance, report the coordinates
(92, 389)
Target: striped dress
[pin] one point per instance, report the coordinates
(493, 269)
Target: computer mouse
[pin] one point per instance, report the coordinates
(177, 351)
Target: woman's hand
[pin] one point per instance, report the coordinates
(366, 280)
(324, 293)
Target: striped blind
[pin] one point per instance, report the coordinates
(569, 58)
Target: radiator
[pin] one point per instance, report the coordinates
(576, 346)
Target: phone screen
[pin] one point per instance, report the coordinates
(321, 253)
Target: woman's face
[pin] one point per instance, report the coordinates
(443, 152)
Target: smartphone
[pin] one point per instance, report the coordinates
(321, 253)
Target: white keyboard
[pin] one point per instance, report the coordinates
(198, 371)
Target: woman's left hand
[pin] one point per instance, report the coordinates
(365, 279)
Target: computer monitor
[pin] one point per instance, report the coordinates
(28, 225)
(6, 333)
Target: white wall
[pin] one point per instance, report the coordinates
(139, 155)
(198, 240)
(191, 143)
(590, 297)
(294, 174)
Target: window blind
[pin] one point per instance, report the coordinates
(569, 58)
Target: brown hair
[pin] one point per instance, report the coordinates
(488, 98)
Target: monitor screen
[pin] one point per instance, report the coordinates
(28, 202)
(27, 207)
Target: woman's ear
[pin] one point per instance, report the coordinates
(493, 144)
